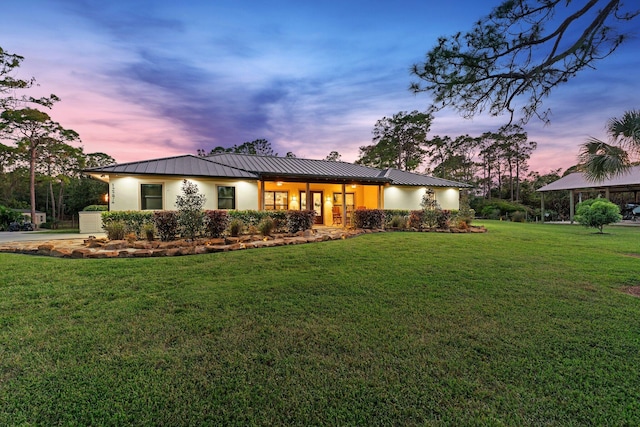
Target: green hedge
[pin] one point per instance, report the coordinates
(133, 221)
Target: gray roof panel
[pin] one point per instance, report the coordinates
(187, 165)
(268, 166)
(578, 180)
(399, 177)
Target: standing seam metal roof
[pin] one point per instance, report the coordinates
(256, 167)
(187, 165)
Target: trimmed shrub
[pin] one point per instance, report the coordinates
(216, 221)
(115, 230)
(96, 208)
(166, 223)
(597, 213)
(389, 214)
(133, 220)
(300, 220)
(368, 218)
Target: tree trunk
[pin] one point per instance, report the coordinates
(32, 182)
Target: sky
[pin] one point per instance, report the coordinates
(143, 79)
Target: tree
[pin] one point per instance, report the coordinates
(258, 147)
(602, 160)
(32, 129)
(333, 156)
(190, 214)
(520, 52)
(597, 213)
(398, 141)
(9, 84)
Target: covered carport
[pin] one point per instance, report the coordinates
(577, 183)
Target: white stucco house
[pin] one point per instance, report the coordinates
(238, 181)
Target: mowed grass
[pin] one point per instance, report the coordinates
(525, 325)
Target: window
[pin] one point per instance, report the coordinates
(276, 200)
(151, 196)
(226, 197)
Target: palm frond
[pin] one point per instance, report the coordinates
(601, 160)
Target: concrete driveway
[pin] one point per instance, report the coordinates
(31, 236)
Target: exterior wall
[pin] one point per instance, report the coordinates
(90, 222)
(404, 197)
(124, 192)
(40, 218)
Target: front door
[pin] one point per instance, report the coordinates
(317, 205)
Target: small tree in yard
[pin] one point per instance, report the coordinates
(597, 213)
(190, 214)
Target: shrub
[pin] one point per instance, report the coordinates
(166, 223)
(368, 218)
(235, 227)
(300, 220)
(442, 219)
(133, 220)
(430, 218)
(7, 216)
(149, 231)
(266, 226)
(190, 215)
(216, 222)
(389, 214)
(115, 230)
(597, 213)
(416, 219)
(518, 216)
(398, 222)
(96, 208)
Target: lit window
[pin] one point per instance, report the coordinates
(276, 200)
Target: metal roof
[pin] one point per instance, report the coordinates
(399, 177)
(297, 168)
(272, 168)
(187, 165)
(578, 180)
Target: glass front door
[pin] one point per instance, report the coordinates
(318, 206)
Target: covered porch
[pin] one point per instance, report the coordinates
(334, 201)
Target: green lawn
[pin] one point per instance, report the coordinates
(524, 325)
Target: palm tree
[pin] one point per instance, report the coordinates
(604, 160)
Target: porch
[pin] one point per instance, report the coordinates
(334, 202)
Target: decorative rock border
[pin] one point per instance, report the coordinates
(103, 248)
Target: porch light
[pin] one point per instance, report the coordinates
(106, 198)
(279, 183)
(353, 186)
(328, 199)
(294, 198)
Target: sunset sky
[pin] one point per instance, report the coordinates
(148, 79)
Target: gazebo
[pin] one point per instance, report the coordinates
(577, 183)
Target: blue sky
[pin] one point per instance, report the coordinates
(147, 79)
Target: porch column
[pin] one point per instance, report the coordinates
(542, 207)
(344, 205)
(607, 195)
(261, 198)
(380, 196)
(571, 206)
(308, 197)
